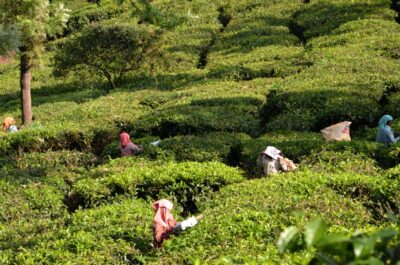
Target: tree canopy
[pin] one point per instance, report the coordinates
(110, 51)
(26, 24)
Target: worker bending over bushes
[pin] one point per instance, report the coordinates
(272, 161)
(164, 224)
(385, 133)
(126, 146)
(9, 125)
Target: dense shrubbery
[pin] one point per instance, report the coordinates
(243, 221)
(91, 14)
(186, 183)
(103, 235)
(257, 43)
(210, 147)
(47, 138)
(316, 97)
(293, 145)
(110, 51)
(379, 247)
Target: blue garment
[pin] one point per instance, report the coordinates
(386, 136)
(384, 120)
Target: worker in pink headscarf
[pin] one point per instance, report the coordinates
(164, 224)
(126, 146)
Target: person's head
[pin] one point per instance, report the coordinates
(124, 139)
(7, 123)
(162, 211)
(385, 120)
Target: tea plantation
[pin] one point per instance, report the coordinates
(230, 78)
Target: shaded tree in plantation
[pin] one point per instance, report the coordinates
(108, 51)
(25, 25)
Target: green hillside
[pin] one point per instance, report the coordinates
(233, 77)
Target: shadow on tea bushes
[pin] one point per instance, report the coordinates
(187, 182)
(208, 147)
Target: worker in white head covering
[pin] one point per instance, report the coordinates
(269, 160)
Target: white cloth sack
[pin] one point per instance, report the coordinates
(188, 223)
(337, 132)
(156, 143)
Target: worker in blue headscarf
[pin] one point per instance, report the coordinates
(385, 133)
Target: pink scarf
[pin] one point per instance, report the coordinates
(163, 221)
(162, 212)
(124, 139)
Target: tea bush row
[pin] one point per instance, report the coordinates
(243, 221)
(186, 183)
(293, 145)
(47, 138)
(88, 14)
(257, 43)
(119, 234)
(343, 57)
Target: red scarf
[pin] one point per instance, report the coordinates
(124, 139)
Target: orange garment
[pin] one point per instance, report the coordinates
(7, 123)
(163, 222)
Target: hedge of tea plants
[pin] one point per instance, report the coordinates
(243, 221)
(186, 182)
(352, 74)
(257, 42)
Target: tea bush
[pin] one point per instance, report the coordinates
(257, 43)
(194, 26)
(29, 212)
(377, 193)
(243, 221)
(293, 145)
(192, 119)
(209, 147)
(119, 233)
(377, 247)
(89, 14)
(315, 98)
(186, 182)
(345, 161)
(42, 139)
(322, 17)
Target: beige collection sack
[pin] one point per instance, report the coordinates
(337, 132)
(287, 164)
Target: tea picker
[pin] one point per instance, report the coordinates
(9, 125)
(164, 224)
(272, 161)
(126, 146)
(385, 134)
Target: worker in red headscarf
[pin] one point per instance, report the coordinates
(126, 146)
(164, 224)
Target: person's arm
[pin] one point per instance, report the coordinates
(171, 223)
(390, 136)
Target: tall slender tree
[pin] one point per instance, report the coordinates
(31, 21)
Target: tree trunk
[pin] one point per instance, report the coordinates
(25, 83)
